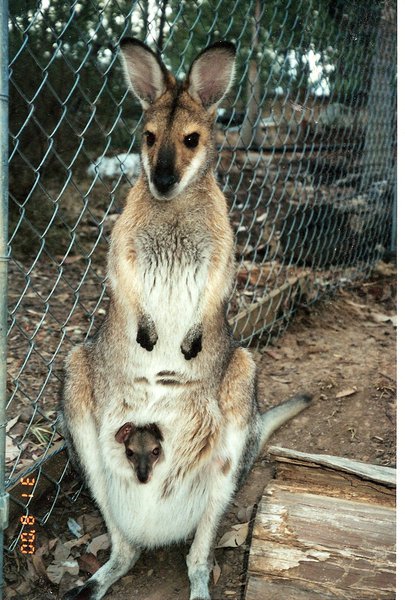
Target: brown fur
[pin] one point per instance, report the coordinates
(78, 383)
(238, 386)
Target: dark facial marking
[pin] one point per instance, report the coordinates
(175, 104)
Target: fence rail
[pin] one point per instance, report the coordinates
(306, 158)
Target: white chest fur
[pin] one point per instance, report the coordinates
(172, 269)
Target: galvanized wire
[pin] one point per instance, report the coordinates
(306, 158)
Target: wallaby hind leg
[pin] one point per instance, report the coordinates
(199, 559)
(235, 401)
(77, 410)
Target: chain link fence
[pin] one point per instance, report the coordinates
(306, 158)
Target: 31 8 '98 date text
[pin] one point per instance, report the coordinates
(29, 533)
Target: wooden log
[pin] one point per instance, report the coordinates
(324, 529)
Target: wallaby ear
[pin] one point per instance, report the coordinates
(144, 71)
(124, 432)
(211, 74)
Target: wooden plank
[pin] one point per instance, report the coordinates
(261, 314)
(377, 473)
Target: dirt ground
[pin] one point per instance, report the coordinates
(343, 351)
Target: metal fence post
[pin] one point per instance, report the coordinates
(3, 265)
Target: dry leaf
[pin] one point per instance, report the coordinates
(12, 451)
(61, 552)
(273, 354)
(216, 573)
(101, 542)
(346, 392)
(381, 318)
(53, 543)
(89, 563)
(57, 569)
(254, 274)
(245, 513)
(31, 573)
(39, 564)
(91, 522)
(11, 423)
(235, 537)
(70, 260)
(73, 543)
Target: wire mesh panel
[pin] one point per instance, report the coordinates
(306, 158)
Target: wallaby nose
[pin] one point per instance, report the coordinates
(143, 475)
(164, 181)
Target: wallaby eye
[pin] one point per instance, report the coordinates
(150, 138)
(191, 141)
(155, 451)
(129, 452)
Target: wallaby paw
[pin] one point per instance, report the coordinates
(145, 340)
(146, 336)
(192, 345)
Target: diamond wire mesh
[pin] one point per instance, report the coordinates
(306, 158)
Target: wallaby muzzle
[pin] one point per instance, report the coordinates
(164, 177)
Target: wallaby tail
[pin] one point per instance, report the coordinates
(278, 415)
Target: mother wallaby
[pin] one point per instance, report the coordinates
(164, 354)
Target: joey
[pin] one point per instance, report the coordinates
(143, 448)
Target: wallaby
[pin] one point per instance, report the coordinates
(164, 353)
(143, 448)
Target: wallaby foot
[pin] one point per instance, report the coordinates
(199, 579)
(88, 591)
